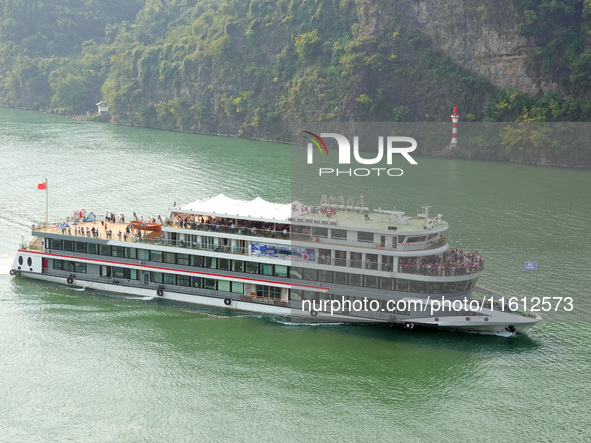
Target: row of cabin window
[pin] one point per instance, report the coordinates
(212, 284)
(341, 234)
(387, 283)
(364, 236)
(197, 282)
(169, 257)
(165, 278)
(70, 266)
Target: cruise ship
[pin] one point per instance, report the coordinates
(336, 261)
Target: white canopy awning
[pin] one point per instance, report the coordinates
(222, 206)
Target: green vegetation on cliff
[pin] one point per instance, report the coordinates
(248, 67)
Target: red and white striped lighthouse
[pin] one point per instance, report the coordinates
(454, 132)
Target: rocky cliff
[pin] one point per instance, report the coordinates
(482, 37)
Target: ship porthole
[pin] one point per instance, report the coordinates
(70, 280)
(227, 301)
(30, 261)
(20, 260)
(436, 318)
(12, 272)
(467, 318)
(313, 313)
(159, 292)
(485, 318)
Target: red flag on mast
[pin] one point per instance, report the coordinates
(42, 186)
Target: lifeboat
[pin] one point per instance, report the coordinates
(154, 227)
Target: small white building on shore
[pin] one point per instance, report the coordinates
(102, 107)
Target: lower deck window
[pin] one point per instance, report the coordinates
(325, 276)
(54, 243)
(386, 283)
(281, 271)
(224, 285)
(156, 256)
(129, 274)
(183, 280)
(355, 280)
(340, 278)
(183, 259)
(252, 267)
(118, 251)
(371, 281)
(62, 265)
(269, 292)
(295, 294)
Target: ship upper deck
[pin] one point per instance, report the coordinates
(99, 230)
(375, 222)
(296, 213)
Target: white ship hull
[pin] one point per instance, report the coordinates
(498, 322)
(269, 264)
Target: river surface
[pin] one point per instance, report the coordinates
(88, 366)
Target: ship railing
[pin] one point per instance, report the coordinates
(237, 230)
(359, 264)
(161, 241)
(215, 247)
(371, 244)
(441, 271)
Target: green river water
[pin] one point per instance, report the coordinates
(85, 366)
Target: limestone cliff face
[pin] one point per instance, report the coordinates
(482, 38)
(479, 36)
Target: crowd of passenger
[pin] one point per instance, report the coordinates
(75, 227)
(95, 232)
(221, 224)
(449, 260)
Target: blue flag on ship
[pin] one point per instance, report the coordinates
(530, 266)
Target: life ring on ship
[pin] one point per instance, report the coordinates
(159, 292)
(378, 246)
(313, 313)
(70, 280)
(227, 301)
(252, 294)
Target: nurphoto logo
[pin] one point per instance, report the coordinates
(394, 145)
